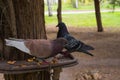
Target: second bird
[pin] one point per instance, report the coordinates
(73, 44)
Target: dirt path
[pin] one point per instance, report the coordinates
(106, 69)
(82, 11)
(105, 65)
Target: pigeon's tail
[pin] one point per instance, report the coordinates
(84, 48)
(17, 44)
(87, 47)
(14, 39)
(13, 42)
(86, 52)
(9, 42)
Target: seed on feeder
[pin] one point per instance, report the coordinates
(11, 62)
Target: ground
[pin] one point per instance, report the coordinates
(105, 65)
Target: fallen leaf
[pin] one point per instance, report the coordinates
(31, 59)
(11, 62)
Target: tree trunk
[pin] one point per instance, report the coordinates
(49, 8)
(75, 3)
(21, 19)
(113, 2)
(59, 9)
(57, 70)
(98, 15)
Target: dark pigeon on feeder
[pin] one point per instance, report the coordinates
(73, 44)
(40, 48)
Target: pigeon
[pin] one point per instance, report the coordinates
(72, 44)
(40, 48)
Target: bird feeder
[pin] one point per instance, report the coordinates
(27, 66)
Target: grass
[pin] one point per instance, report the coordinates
(81, 7)
(109, 19)
(70, 7)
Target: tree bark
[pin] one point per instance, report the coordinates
(59, 9)
(56, 73)
(12, 19)
(98, 15)
(22, 19)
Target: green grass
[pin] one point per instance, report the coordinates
(81, 7)
(70, 7)
(109, 19)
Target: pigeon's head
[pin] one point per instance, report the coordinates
(61, 25)
(62, 29)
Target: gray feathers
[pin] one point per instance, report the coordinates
(73, 44)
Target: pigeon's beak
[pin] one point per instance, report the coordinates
(56, 25)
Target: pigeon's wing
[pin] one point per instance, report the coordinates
(72, 44)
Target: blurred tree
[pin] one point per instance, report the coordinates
(49, 4)
(59, 9)
(98, 15)
(114, 3)
(57, 70)
(75, 3)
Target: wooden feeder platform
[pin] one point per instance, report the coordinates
(26, 66)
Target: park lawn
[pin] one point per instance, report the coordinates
(109, 19)
(68, 7)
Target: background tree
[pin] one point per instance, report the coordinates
(56, 74)
(98, 15)
(114, 3)
(75, 3)
(21, 19)
(49, 4)
(59, 11)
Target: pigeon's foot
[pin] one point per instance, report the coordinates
(67, 54)
(42, 61)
